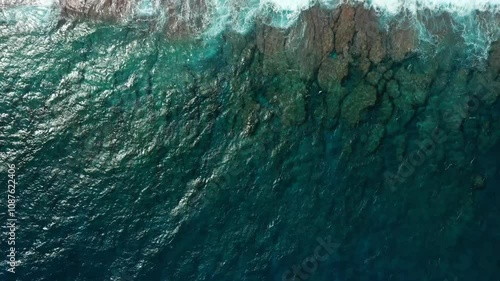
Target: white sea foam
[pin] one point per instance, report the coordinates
(28, 15)
(241, 15)
(395, 6)
(478, 33)
(292, 5)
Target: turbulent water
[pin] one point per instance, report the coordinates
(251, 140)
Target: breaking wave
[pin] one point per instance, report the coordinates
(476, 22)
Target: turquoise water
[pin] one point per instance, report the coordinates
(144, 158)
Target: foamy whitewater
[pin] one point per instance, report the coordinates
(475, 20)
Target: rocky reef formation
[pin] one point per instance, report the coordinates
(100, 9)
(411, 125)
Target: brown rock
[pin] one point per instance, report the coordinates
(362, 97)
(332, 72)
(402, 40)
(369, 34)
(345, 29)
(310, 41)
(185, 18)
(270, 43)
(101, 9)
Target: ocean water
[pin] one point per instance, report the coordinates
(255, 145)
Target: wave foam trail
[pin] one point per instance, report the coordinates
(477, 21)
(454, 6)
(240, 15)
(283, 13)
(467, 18)
(147, 8)
(27, 16)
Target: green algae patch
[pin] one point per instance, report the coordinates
(356, 102)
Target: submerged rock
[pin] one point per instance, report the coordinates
(98, 9)
(356, 102)
(478, 182)
(402, 40)
(185, 18)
